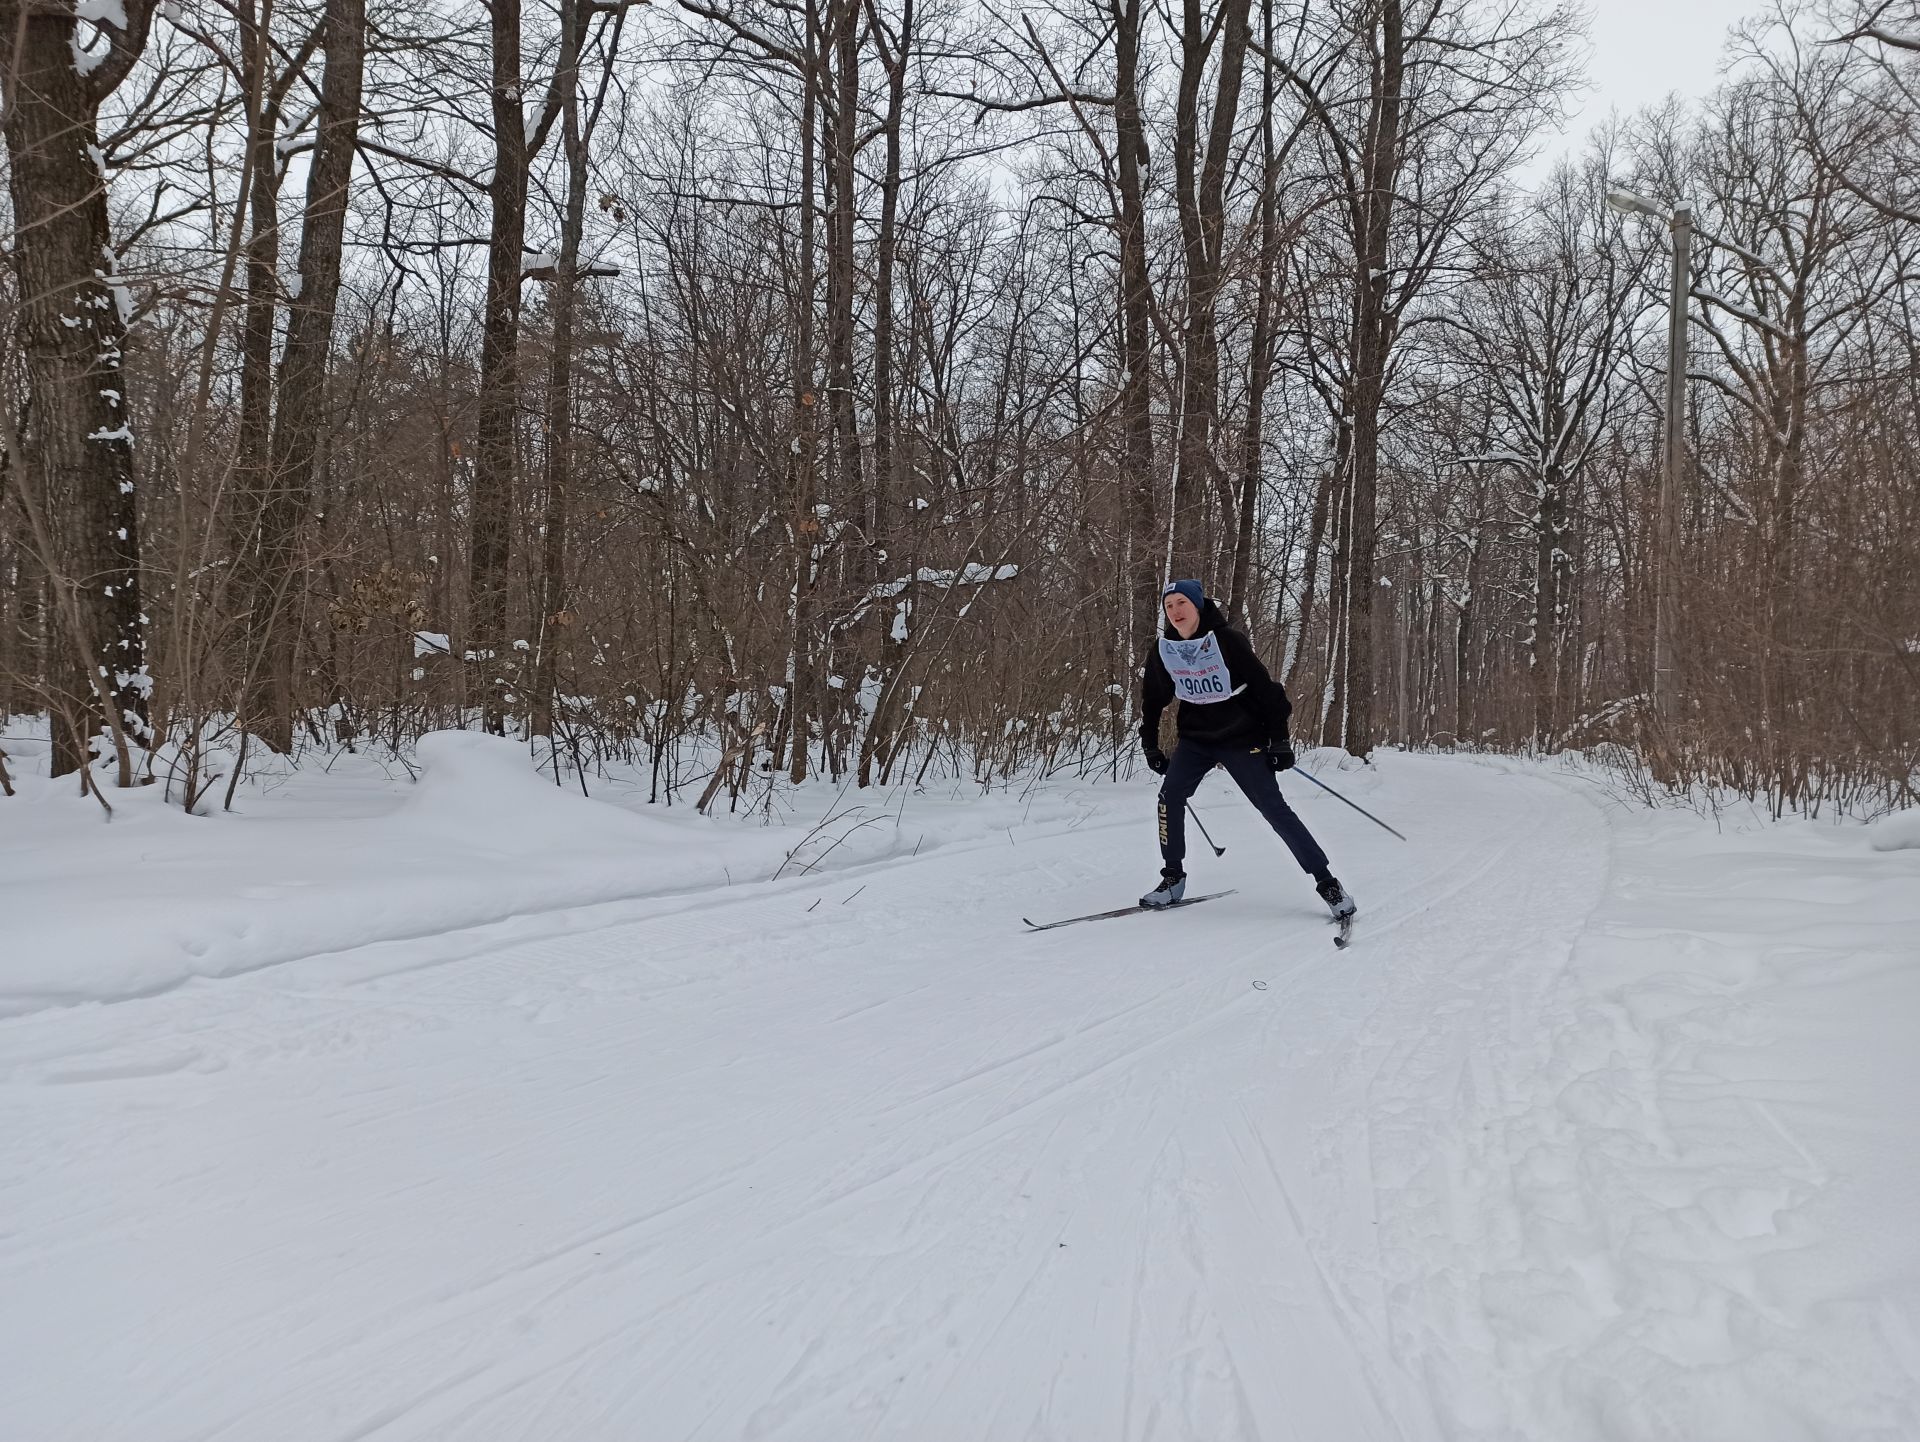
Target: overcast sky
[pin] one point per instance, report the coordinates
(1642, 50)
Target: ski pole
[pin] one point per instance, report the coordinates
(1338, 797)
(1217, 850)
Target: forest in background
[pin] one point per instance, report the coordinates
(832, 384)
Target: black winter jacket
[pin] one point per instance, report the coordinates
(1256, 716)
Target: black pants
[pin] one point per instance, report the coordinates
(1191, 762)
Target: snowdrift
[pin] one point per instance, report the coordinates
(100, 910)
(1899, 831)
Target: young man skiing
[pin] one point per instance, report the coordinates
(1233, 715)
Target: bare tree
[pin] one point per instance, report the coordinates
(1481, 81)
(273, 565)
(74, 460)
(1546, 327)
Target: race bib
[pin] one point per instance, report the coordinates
(1198, 670)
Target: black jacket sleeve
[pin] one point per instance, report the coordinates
(1266, 697)
(1156, 694)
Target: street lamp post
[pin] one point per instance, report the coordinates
(1666, 585)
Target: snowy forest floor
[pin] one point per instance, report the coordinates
(473, 1110)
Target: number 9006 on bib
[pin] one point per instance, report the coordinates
(1198, 670)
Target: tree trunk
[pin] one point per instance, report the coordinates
(1465, 679)
(554, 618)
(1136, 306)
(252, 460)
(490, 519)
(1381, 167)
(1548, 564)
(846, 492)
(298, 419)
(1785, 445)
(806, 413)
(1260, 345)
(77, 449)
(1339, 602)
(843, 128)
(1200, 185)
(883, 498)
(29, 648)
(1310, 578)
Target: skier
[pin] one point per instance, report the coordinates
(1232, 714)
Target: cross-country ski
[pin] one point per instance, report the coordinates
(1134, 910)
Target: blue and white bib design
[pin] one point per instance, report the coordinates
(1198, 670)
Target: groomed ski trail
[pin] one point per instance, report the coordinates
(891, 1169)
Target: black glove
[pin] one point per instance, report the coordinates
(1156, 761)
(1280, 755)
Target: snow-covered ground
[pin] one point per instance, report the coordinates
(474, 1110)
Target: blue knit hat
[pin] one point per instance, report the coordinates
(1192, 590)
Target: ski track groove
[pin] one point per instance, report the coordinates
(1139, 1136)
(1405, 1075)
(504, 1286)
(902, 1176)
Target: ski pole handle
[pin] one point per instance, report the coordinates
(1338, 797)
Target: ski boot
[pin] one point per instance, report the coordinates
(1173, 886)
(1341, 904)
(1338, 901)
